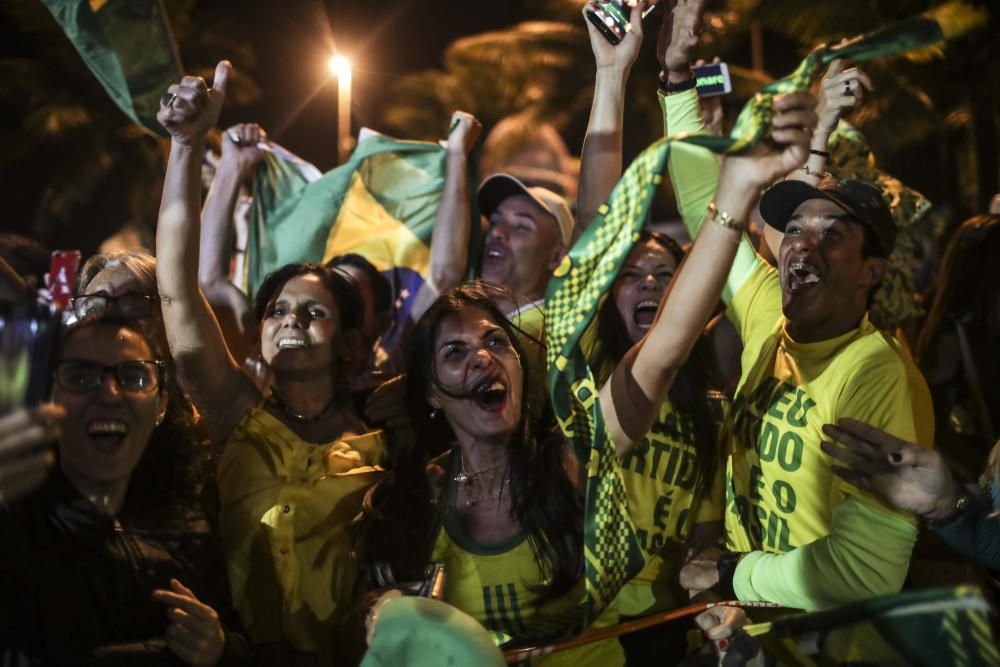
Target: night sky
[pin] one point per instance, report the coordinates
(292, 40)
(384, 40)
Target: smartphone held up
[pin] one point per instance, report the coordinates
(612, 18)
(712, 79)
(29, 332)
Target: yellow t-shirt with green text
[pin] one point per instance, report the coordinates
(660, 475)
(493, 583)
(780, 490)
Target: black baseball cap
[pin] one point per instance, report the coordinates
(862, 201)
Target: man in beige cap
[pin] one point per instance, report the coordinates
(530, 229)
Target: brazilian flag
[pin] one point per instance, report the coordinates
(945, 627)
(380, 204)
(612, 553)
(128, 46)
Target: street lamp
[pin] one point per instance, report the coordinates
(341, 68)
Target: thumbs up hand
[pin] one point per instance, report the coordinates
(189, 109)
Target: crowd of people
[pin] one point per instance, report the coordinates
(265, 481)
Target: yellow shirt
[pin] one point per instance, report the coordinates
(286, 505)
(492, 584)
(529, 325)
(660, 475)
(781, 492)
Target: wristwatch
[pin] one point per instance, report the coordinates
(726, 566)
(668, 87)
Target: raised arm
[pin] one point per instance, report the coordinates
(693, 171)
(840, 91)
(240, 152)
(196, 343)
(631, 399)
(601, 155)
(450, 238)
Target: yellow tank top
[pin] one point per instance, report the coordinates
(492, 583)
(286, 505)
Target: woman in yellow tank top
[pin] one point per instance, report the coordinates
(501, 507)
(674, 475)
(297, 461)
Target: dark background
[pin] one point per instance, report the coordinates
(72, 169)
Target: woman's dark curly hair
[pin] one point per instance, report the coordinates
(687, 393)
(170, 481)
(399, 510)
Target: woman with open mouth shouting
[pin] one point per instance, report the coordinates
(297, 461)
(113, 558)
(501, 507)
(674, 474)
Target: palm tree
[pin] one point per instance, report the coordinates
(931, 121)
(75, 169)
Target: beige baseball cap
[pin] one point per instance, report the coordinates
(498, 187)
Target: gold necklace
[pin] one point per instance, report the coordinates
(464, 477)
(495, 495)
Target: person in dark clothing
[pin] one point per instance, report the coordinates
(112, 561)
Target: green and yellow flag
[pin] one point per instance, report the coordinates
(938, 627)
(612, 552)
(380, 204)
(128, 46)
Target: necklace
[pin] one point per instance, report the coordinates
(302, 419)
(464, 477)
(495, 495)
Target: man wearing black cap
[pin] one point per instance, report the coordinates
(826, 284)
(797, 534)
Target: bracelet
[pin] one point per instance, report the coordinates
(724, 219)
(668, 87)
(810, 172)
(961, 504)
(825, 154)
(726, 567)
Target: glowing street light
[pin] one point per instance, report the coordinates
(341, 68)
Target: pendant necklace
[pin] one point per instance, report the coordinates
(302, 419)
(470, 502)
(465, 478)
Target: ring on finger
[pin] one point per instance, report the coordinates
(847, 87)
(167, 99)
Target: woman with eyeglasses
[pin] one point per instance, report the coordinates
(122, 284)
(111, 560)
(297, 459)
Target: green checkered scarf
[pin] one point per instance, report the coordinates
(612, 552)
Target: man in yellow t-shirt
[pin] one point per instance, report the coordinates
(799, 535)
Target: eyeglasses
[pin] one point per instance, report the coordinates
(129, 304)
(81, 377)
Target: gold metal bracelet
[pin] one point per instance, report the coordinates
(810, 172)
(724, 219)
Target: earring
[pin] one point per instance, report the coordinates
(435, 412)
